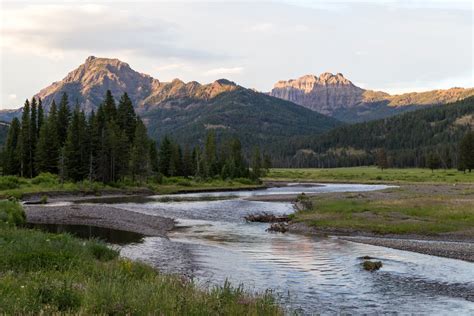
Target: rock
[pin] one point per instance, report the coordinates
(372, 265)
(266, 218)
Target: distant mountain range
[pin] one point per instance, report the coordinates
(336, 96)
(187, 111)
(307, 106)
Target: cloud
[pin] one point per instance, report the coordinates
(262, 27)
(223, 71)
(12, 96)
(53, 30)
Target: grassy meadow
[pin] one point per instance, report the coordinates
(57, 273)
(410, 209)
(371, 175)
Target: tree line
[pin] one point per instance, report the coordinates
(424, 138)
(111, 145)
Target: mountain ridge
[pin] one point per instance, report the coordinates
(336, 96)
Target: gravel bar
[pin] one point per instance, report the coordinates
(449, 249)
(100, 216)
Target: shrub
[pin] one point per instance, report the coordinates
(10, 182)
(46, 178)
(11, 213)
(44, 199)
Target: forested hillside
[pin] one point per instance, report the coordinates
(255, 118)
(410, 140)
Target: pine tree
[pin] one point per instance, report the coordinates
(153, 154)
(188, 165)
(126, 116)
(47, 150)
(381, 159)
(166, 151)
(267, 162)
(11, 157)
(64, 117)
(40, 117)
(25, 142)
(139, 163)
(176, 164)
(466, 152)
(110, 110)
(33, 135)
(210, 155)
(75, 148)
(433, 162)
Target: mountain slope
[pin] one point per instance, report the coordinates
(337, 96)
(408, 138)
(187, 111)
(255, 118)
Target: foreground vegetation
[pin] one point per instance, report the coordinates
(50, 184)
(50, 273)
(371, 175)
(411, 209)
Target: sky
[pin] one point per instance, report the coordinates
(393, 46)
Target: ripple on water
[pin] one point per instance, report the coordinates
(307, 274)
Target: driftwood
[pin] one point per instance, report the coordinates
(266, 218)
(278, 227)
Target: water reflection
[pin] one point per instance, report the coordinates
(114, 236)
(312, 275)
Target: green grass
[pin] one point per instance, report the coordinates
(397, 212)
(57, 273)
(371, 175)
(11, 186)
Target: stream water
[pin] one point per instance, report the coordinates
(213, 243)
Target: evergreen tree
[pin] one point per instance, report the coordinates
(433, 162)
(153, 153)
(47, 150)
(188, 164)
(166, 151)
(75, 148)
(110, 109)
(64, 117)
(210, 155)
(93, 133)
(267, 162)
(466, 152)
(33, 135)
(176, 163)
(126, 116)
(40, 117)
(381, 159)
(139, 163)
(11, 156)
(25, 142)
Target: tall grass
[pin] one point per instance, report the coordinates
(57, 273)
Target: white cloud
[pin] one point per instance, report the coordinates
(262, 27)
(223, 71)
(12, 96)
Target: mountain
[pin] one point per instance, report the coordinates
(409, 139)
(87, 85)
(187, 111)
(336, 96)
(257, 119)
